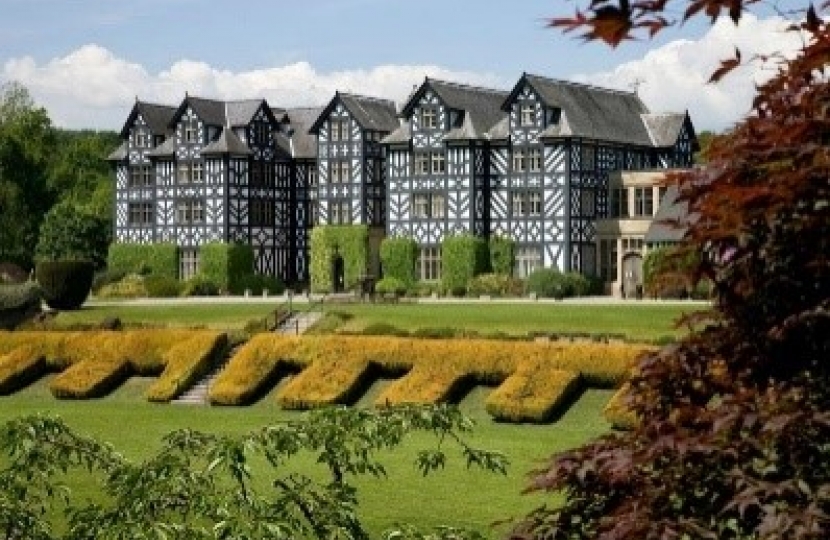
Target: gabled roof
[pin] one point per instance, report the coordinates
(672, 219)
(227, 143)
(664, 129)
(300, 144)
(588, 112)
(157, 117)
(119, 154)
(165, 149)
(481, 106)
(401, 135)
(222, 113)
(371, 113)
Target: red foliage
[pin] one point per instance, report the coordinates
(734, 439)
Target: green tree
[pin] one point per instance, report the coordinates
(733, 431)
(201, 486)
(70, 232)
(26, 145)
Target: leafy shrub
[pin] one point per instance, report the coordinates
(435, 333)
(200, 285)
(398, 257)
(15, 296)
(65, 284)
(257, 283)
(162, 286)
(159, 259)
(390, 285)
(494, 285)
(383, 329)
(130, 286)
(502, 255)
(11, 273)
(462, 258)
(106, 277)
(70, 233)
(549, 283)
(227, 265)
(352, 243)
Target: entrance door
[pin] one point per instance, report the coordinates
(632, 276)
(338, 274)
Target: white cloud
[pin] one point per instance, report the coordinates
(674, 77)
(91, 87)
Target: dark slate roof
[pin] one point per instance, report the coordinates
(240, 113)
(401, 135)
(501, 131)
(119, 154)
(165, 149)
(157, 117)
(210, 111)
(227, 143)
(370, 112)
(672, 219)
(589, 112)
(664, 129)
(481, 106)
(301, 144)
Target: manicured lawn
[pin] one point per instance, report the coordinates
(636, 321)
(452, 496)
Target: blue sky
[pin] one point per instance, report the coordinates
(86, 60)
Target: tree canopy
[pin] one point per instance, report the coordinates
(733, 439)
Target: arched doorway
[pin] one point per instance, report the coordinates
(338, 273)
(632, 275)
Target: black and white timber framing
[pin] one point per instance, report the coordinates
(531, 164)
(351, 166)
(211, 171)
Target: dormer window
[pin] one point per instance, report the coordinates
(527, 114)
(141, 139)
(261, 134)
(190, 134)
(429, 118)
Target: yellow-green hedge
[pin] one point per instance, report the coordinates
(617, 412)
(94, 362)
(20, 367)
(536, 378)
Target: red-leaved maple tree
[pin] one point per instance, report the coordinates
(734, 434)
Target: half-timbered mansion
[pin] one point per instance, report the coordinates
(213, 171)
(531, 163)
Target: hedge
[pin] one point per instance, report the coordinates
(226, 265)
(18, 302)
(160, 259)
(94, 362)
(617, 412)
(462, 258)
(502, 255)
(65, 284)
(349, 241)
(20, 368)
(338, 368)
(398, 257)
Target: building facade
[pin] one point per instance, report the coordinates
(210, 171)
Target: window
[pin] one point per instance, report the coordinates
(438, 163)
(190, 212)
(257, 178)
(188, 263)
(339, 172)
(197, 173)
(632, 244)
(527, 114)
(184, 173)
(535, 160)
(643, 202)
(261, 213)
(141, 176)
(429, 118)
(618, 202)
(519, 160)
(526, 203)
(339, 213)
(438, 206)
(141, 139)
(589, 157)
(312, 177)
(586, 202)
(528, 259)
(261, 133)
(190, 134)
(140, 214)
(420, 164)
(429, 205)
(339, 130)
(429, 264)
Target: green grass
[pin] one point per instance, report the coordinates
(454, 496)
(635, 321)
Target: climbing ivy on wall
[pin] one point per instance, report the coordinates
(348, 241)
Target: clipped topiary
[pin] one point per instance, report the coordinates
(65, 284)
(549, 283)
(18, 303)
